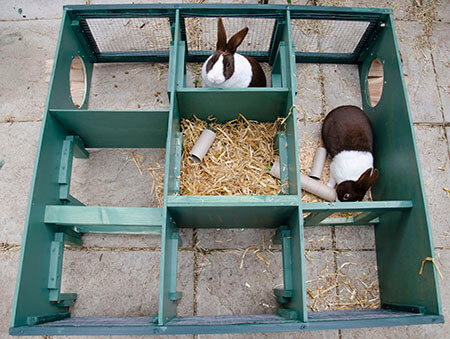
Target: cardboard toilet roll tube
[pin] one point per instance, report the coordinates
(317, 188)
(202, 145)
(275, 171)
(309, 184)
(319, 161)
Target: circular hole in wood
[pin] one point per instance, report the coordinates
(77, 81)
(375, 81)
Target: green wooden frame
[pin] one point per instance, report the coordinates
(54, 218)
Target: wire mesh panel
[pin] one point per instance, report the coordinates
(130, 34)
(201, 33)
(327, 36)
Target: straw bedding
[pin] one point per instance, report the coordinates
(237, 162)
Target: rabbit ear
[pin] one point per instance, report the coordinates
(221, 36)
(367, 179)
(236, 40)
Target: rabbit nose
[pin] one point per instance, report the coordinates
(215, 78)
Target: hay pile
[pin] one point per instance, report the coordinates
(236, 163)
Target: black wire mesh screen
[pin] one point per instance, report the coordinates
(327, 36)
(201, 33)
(121, 35)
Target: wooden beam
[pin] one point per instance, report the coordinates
(97, 219)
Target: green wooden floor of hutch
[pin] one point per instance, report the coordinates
(398, 212)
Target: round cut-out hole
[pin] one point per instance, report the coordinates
(375, 81)
(77, 81)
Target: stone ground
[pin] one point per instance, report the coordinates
(212, 281)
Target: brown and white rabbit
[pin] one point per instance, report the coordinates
(348, 138)
(228, 69)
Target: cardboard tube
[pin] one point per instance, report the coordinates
(319, 161)
(317, 188)
(275, 171)
(309, 184)
(202, 145)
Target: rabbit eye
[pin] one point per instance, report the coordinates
(346, 196)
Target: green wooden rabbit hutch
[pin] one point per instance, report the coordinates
(398, 212)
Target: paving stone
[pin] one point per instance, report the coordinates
(357, 279)
(19, 144)
(320, 280)
(319, 237)
(9, 264)
(122, 283)
(129, 86)
(355, 237)
(440, 49)
(215, 238)
(32, 10)
(443, 12)
(124, 337)
(225, 288)
(448, 135)
(110, 177)
(309, 100)
(435, 164)
(424, 331)
(281, 335)
(341, 84)
(25, 48)
(417, 64)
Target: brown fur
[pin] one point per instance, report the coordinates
(347, 128)
(228, 50)
(258, 76)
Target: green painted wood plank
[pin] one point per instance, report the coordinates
(74, 201)
(261, 104)
(71, 237)
(359, 206)
(282, 147)
(276, 239)
(316, 218)
(175, 296)
(69, 46)
(275, 42)
(55, 267)
(230, 201)
(410, 243)
(222, 324)
(167, 308)
(65, 168)
(298, 300)
(40, 319)
(102, 216)
(286, 250)
(177, 161)
(343, 221)
(120, 229)
(366, 217)
(246, 10)
(121, 129)
(282, 292)
(79, 150)
(288, 313)
(66, 300)
(231, 216)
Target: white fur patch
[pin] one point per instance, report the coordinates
(349, 165)
(241, 77)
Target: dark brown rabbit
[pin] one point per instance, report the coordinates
(348, 137)
(228, 69)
